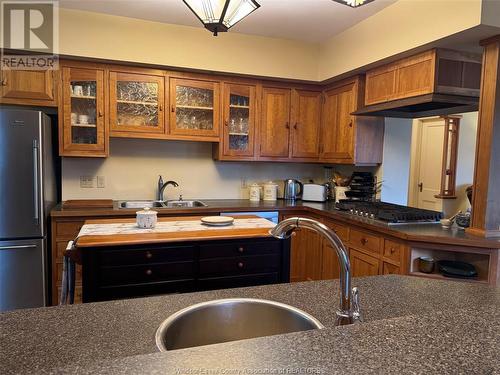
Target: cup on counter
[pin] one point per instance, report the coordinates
(146, 219)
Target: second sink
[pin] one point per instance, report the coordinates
(233, 319)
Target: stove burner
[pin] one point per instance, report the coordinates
(389, 213)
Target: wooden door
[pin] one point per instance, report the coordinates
(306, 122)
(136, 104)
(380, 84)
(390, 269)
(275, 125)
(337, 135)
(429, 155)
(83, 122)
(362, 264)
(330, 260)
(239, 120)
(194, 109)
(28, 85)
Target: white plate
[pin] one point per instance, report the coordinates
(218, 221)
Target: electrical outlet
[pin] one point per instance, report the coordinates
(101, 182)
(87, 182)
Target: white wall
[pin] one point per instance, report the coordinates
(131, 172)
(395, 169)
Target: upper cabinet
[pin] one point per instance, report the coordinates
(136, 104)
(82, 122)
(306, 122)
(238, 132)
(194, 109)
(29, 87)
(435, 71)
(348, 139)
(275, 123)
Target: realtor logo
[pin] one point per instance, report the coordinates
(29, 27)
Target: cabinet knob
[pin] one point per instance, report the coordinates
(4, 82)
(173, 108)
(149, 255)
(149, 272)
(160, 108)
(240, 265)
(295, 126)
(287, 125)
(350, 124)
(226, 123)
(100, 113)
(364, 241)
(393, 250)
(241, 249)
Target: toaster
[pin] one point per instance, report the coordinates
(314, 193)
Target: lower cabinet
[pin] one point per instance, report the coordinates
(363, 264)
(141, 270)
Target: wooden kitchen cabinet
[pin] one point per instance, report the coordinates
(347, 139)
(29, 87)
(239, 118)
(306, 122)
(329, 260)
(136, 104)
(82, 116)
(363, 264)
(275, 123)
(194, 109)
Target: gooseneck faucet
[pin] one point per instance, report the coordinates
(162, 186)
(349, 311)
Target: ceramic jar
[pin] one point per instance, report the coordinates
(254, 192)
(146, 219)
(270, 191)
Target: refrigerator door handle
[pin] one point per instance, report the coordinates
(17, 247)
(36, 216)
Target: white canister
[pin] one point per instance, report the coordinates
(146, 218)
(340, 192)
(254, 192)
(270, 191)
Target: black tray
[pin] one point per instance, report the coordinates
(453, 268)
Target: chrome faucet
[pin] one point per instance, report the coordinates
(162, 186)
(349, 311)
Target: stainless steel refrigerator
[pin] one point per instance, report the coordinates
(28, 190)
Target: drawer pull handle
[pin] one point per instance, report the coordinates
(149, 272)
(241, 249)
(393, 250)
(364, 241)
(149, 255)
(240, 265)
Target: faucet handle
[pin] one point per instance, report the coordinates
(356, 309)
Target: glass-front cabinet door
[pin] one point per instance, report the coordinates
(136, 104)
(194, 108)
(239, 120)
(84, 127)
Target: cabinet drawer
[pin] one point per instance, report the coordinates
(125, 257)
(240, 265)
(364, 241)
(238, 281)
(393, 251)
(78, 273)
(239, 249)
(390, 269)
(146, 273)
(142, 290)
(362, 264)
(68, 229)
(340, 230)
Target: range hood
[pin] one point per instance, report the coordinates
(422, 106)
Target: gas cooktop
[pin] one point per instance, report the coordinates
(389, 213)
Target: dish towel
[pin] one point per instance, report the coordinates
(68, 277)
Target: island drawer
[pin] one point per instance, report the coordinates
(145, 273)
(364, 241)
(238, 281)
(141, 290)
(240, 265)
(393, 251)
(130, 256)
(248, 248)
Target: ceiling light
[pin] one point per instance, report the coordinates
(353, 3)
(220, 15)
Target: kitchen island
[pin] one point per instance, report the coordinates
(411, 325)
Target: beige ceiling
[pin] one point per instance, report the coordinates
(306, 20)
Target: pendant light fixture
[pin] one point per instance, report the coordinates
(220, 15)
(354, 3)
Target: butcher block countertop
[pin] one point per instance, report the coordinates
(119, 232)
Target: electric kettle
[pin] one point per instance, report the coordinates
(293, 189)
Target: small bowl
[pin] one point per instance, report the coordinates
(426, 264)
(147, 218)
(446, 223)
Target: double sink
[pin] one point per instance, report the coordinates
(161, 204)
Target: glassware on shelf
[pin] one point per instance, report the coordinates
(83, 112)
(137, 103)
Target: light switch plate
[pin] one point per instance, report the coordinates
(101, 182)
(87, 182)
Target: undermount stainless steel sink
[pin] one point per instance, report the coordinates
(159, 204)
(226, 320)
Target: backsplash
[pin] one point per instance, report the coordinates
(132, 170)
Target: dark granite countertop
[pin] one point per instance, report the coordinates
(429, 233)
(412, 325)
